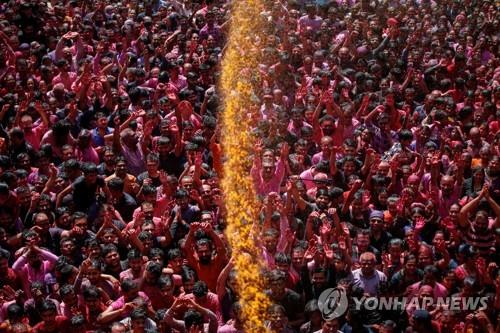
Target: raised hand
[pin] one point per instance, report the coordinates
(285, 150)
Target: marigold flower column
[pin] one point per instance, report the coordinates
(238, 85)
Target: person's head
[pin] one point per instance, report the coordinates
(277, 317)
(330, 326)
(182, 198)
(92, 296)
(129, 138)
(130, 289)
(367, 262)
(425, 257)
(188, 279)
(111, 255)
(481, 222)
(68, 295)
(322, 197)
(430, 275)
(421, 321)
(447, 184)
(174, 259)
(475, 135)
(134, 258)
(282, 261)
(193, 321)
(116, 186)
(166, 286)
(90, 173)
(270, 239)
(376, 220)
(48, 313)
(204, 251)
(152, 273)
(277, 283)
(363, 239)
(319, 277)
(425, 292)
(68, 246)
(138, 319)
(297, 257)
(15, 313)
(268, 168)
(449, 279)
(200, 291)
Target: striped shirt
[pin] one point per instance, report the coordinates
(482, 241)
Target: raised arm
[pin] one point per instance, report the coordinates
(463, 216)
(221, 280)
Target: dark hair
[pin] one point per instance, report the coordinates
(174, 253)
(78, 320)
(108, 248)
(192, 318)
(282, 258)
(128, 285)
(165, 280)
(116, 183)
(138, 313)
(134, 254)
(88, 168)
(66, 290)
(14, 311)
(156, 252)
(188, 274)
(91, 292)
(200, 289)
(154, 268)
(47, 305)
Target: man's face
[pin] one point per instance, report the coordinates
(91, 178)
(319, 279)
(330, 326)
(297, 257)
(447, 184)
(121, 168)
(481, 222)
(367, 266)
(376, 224)
(24, 198)
(49, 318)
(135, 264)
(277, 288)
(268, 171)
(424, 258)
(183, 202)
(112, 259)
(383, 169)
(204, 254)
(67, 248)
(322, 201)
(176, 263)
(270, 243)
(187, 183)
(167, 291)
(82, 224)
(363, 241)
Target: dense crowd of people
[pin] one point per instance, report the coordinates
(376, 164)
